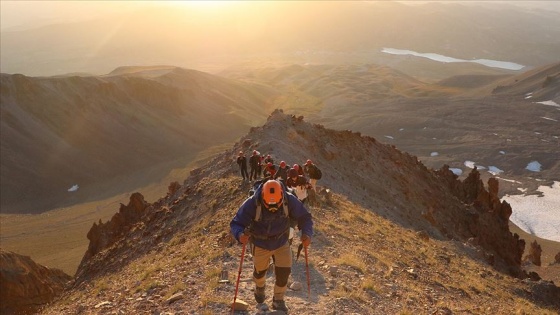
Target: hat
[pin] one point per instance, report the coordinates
(308, 162)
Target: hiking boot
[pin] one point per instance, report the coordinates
(279, 305)
(259, 295)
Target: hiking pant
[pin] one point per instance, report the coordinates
(244, 173)
(313, 183)
(254, 173)
(282, 268)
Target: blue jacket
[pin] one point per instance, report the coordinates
(272, 230)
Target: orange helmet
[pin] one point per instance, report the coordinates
(295, 167)
(272, 195)
(254, 152)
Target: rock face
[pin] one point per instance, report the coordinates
(102, 235)
(534, 255)
(26, 285)
(486, 219)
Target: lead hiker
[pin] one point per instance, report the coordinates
(264, 219)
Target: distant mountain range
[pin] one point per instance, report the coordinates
(107, 131)
(285, 32)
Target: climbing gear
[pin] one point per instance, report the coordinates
(307, 269)
(272, 193)
(238, 277)
(276, 198)
(300, 247)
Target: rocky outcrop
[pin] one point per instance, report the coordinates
(487, 221)
(26, 285)
(102, 235)
(534, 255)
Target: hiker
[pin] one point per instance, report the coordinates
(298, 168)
(299, 184)
(269, 170)
(255, 164)
(265, 220)
(313, 172)
(261, 164)
(282, 172)
(268, 159)
(242, 162)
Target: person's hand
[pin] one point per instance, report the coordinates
(243, 238)
(305, 240)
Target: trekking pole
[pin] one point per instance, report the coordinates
(308, 281)
(238, 277)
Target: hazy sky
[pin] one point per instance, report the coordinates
(37, 13)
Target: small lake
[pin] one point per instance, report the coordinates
(442, 58)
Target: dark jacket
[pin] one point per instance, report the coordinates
(311, 171)
(242, 161)
(255, 161)
(272, 231)
(282, 173)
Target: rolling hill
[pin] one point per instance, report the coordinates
(57, 132)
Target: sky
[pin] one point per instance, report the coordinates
(38, 13)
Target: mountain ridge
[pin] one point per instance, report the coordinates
(170, 252)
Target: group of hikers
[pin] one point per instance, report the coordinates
(294, 177)
(265, 220)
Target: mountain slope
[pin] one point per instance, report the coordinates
(27, 285)
(55, 131)
(391, 236)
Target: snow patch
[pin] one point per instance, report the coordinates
(73, 188)
(536, 215)
(549, 103)
(509, 180)
(502, 152)
(389, 137)
(471, 164)
(456, 171)
(434, 154)
(534, 166)
(494, 170)
(549, 118)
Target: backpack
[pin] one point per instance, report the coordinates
(315, 172)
